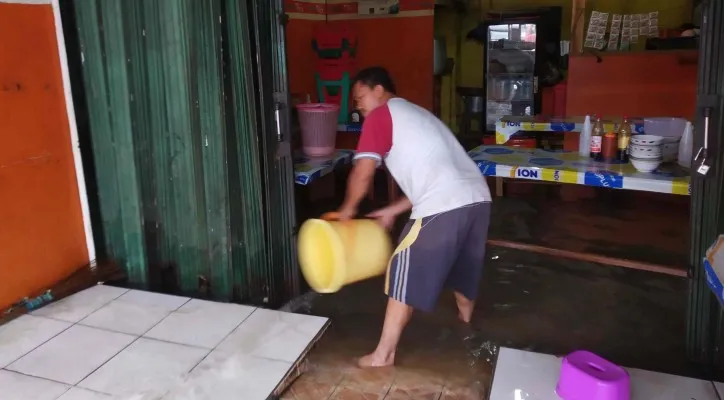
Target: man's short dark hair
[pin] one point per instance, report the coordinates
(374, 76)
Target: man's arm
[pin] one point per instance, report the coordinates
(358, 184)
(375, 141)
(386, 216)
(400, 206)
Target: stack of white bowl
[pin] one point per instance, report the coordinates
(645, 152)
(671, 129)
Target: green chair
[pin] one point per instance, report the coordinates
(335, 92)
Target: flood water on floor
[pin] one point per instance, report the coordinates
(527, 301)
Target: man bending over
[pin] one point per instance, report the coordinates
(443, 243)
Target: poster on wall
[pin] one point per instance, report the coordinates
(596, 30)
(615, 33)
(378, 7)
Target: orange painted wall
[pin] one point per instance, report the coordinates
(402, 44)
(300, 57)
(41, 225)
(645, 84)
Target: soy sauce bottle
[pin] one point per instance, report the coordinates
(597, 133)
(624, 137)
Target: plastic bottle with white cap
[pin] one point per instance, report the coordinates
(584, 141)
(686, 146)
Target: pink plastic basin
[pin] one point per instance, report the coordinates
(586, 376)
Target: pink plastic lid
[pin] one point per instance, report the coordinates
(317, 107)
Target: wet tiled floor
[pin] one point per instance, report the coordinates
(532, 302)
(528, 301)
(109, 343)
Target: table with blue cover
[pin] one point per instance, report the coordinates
(308, 169)
(570, 167)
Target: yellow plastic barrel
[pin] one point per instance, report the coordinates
(333, 254)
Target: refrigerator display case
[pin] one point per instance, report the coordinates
(522, 51)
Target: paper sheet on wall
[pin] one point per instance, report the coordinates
(649, 24)
(626, 31)
(615, 32)
(596, 34)
(634, 18)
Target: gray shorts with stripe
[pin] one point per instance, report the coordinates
(442, 250)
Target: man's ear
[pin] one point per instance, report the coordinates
(379, 90)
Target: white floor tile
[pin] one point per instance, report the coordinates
(78, 306)
(647, 385)
(72, 355)
(527, 375)
(537, 379)
(77, 393)
(145, 365)
(200, 323)
(25, 333)
(274, 334)
(15, 386)
(719, 389)
(226, 376)
(135, 312)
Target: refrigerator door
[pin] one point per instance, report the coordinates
(510, 71)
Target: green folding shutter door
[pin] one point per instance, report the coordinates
(704, 318)
(181, 148)
(276, 143)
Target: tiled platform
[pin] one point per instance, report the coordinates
(527, 375)
(108, 343)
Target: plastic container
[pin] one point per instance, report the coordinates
(686, 147)
(586, 376)
(609, 146)
(319, 128)
(665, 126)
(333, 254)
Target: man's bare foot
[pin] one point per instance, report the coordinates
(464, 318)
(465, 307)
(375, 360)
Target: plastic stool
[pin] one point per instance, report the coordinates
(334, 70)
(342, 97)
(333, 42)
(335, 53)
(586, 376)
